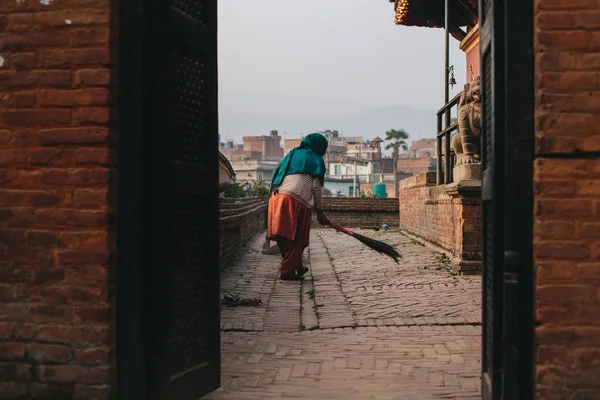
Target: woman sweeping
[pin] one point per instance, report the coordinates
(297, 187)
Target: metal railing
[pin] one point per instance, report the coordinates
(445, 158)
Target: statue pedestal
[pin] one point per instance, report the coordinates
(466, 172)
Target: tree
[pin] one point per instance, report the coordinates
(396, 139)
(235, 191)
(258, 188)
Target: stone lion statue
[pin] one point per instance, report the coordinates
(466, 142)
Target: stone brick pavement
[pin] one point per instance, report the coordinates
(359, 327)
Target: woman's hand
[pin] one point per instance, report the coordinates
(322, 218)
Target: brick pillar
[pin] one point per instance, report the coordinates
(567, 199)
(57, 175)
(466, 221)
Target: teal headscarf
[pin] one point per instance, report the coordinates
(304, 159)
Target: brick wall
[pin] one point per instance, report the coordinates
(360, 212)
(415, 165)
(254, 143)
(290, 144)
(448, 216)
(57, 174)
(239, 220)
(237, 154)
(567, 199)
(273, 146)
(426, 211)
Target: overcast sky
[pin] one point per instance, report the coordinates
(339, 54)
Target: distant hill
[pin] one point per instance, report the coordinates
(244, 116)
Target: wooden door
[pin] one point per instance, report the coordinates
(168, 250)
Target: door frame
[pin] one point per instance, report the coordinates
(131, 339)
(510, 188)
(519, 155)
(516, 125)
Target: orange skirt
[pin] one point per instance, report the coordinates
(289, 219)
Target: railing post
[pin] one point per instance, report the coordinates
(447, 158)
(447, 90)
(444, 133)
(439, 150)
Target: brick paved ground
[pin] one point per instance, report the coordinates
(359, 327)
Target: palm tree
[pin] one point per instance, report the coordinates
(397, 140)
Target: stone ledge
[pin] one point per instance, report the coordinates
(464, 188)
(419, 180)
(467, 172)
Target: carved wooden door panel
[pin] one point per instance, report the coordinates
(168, 273)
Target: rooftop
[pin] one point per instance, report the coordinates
(225, 162)
(430, 13)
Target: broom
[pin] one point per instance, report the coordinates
(380, 247)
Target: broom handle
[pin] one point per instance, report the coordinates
(342, 229)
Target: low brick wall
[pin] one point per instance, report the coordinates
(360, 212)
(239, 220)
(448, 216)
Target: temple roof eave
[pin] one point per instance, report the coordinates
(430, 13)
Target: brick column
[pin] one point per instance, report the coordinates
(447, 216)
(467, 222)
(567, 199)
(57, 175)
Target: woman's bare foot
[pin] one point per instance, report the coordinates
(271, 251)
(266, 245)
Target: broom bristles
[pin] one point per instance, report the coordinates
(380, 247)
